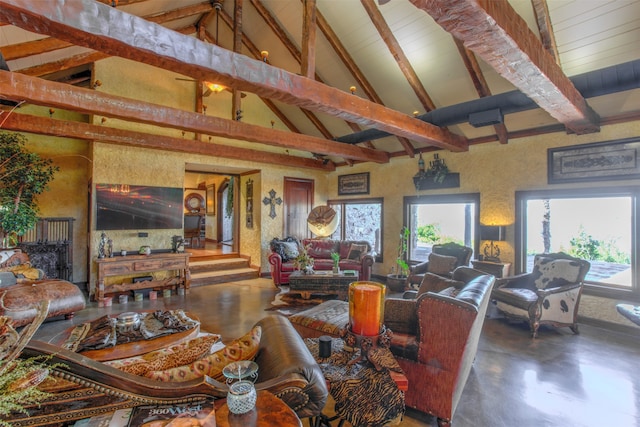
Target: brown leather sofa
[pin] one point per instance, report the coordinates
(22, 287)
(435, 337)
(353, 256)
(286, 368)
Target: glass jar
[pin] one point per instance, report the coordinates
(241, 397)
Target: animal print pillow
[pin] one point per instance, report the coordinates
(244, 348)
(170, 357)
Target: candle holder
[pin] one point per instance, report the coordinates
(366, 330)
(241, 397)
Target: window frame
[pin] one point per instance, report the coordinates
(592, 288)
(361, 201)
(442, 199)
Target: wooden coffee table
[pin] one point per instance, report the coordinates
(321, 282)
(269, 411)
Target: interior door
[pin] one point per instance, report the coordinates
(298, 202)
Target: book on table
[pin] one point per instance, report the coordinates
(200, 413)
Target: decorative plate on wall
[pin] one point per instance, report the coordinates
(194, 202)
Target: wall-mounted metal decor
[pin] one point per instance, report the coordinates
(250, 203)
(609, 160)
(273, 201)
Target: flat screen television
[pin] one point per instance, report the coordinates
(138, 207)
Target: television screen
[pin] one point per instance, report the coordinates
(137, 207)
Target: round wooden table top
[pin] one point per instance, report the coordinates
(269, 411)
(131, 349)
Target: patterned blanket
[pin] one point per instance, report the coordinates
(364, 396)
(103, 332)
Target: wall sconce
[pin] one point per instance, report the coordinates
(265, 55)
(214, 87)
(492, 233)
(352, 89)
(415, 113)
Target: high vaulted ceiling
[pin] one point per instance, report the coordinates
(418, 69)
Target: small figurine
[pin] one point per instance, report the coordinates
(109, 252)
(102, 246)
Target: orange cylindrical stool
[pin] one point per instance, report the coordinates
(366, 308)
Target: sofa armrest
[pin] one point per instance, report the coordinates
(557, 290)
(400, 315)
(284, 359)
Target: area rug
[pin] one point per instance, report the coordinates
(288, 303)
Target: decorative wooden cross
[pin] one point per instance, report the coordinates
(273, 201)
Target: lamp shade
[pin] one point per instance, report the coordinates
(493, 232)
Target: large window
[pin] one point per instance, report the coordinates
(360, 219)
(598, 225)
(440, 219)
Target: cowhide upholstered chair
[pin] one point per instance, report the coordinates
(550, 294)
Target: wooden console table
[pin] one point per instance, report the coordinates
(140, 264)
(498, 269)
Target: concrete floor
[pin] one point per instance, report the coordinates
(558, 379)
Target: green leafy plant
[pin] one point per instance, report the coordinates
(403, 247)
(429, 233)
(335, 256)
(23, 175)
(19, 385)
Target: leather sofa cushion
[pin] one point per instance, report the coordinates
(517, 297)
(320, 248)
(441, 264)
(434, 283)
(19, 301)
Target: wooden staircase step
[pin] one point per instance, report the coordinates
(217, 264)
(223, 276)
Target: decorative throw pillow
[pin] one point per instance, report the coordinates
(434, 283)
(244, 348)
(552, 273)
(356, 251)
(278, 246)
(290, 250)
(441, 264)
(170, 357)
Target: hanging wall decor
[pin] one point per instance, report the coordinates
(250, 203)
(272, 200)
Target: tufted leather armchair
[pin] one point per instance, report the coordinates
(550, 294)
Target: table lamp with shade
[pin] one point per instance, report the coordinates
(492, 233)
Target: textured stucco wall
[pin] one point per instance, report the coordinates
(67, 193)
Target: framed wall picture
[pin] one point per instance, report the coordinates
(355, 183)
(211, 199)
(609, 160)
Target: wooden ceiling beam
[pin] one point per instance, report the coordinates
(180, 13)
(543, 20)
(63, 64)
(97, 26)
(309, 29)
(479, 82)
(398, 54)
(361, 80)
(496, 33)
(77, 130)
(272, 23)
(19, 87)
(35, 47)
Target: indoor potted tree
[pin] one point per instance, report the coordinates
(398, 277)
(23, 175)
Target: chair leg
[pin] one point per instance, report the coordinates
(574, 328)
